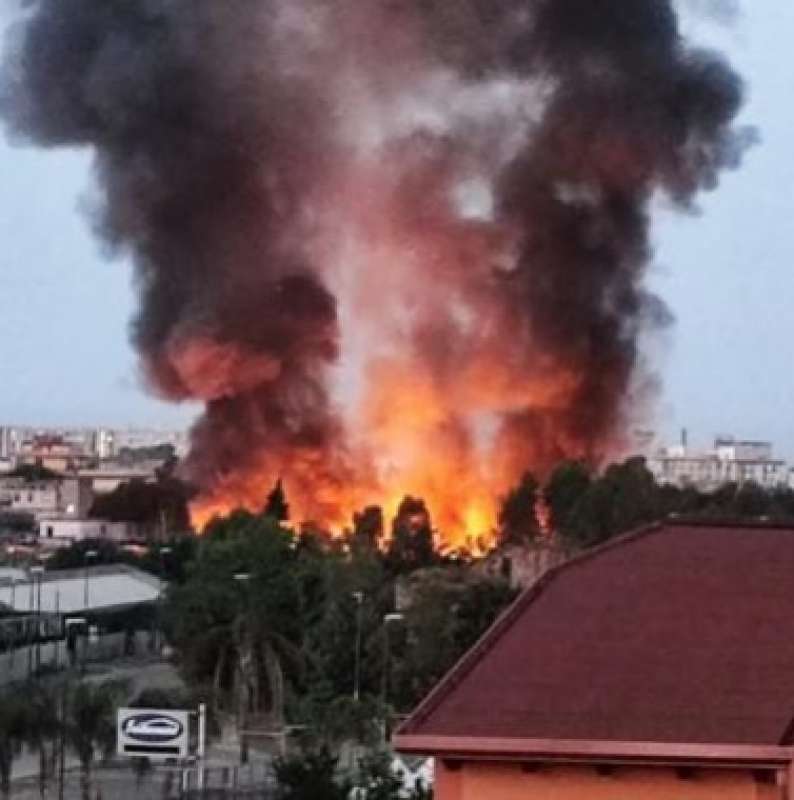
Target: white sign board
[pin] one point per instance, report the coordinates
(152, 733)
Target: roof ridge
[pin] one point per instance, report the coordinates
(762, 522)
(504, 621)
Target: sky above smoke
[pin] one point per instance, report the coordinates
(191, 368)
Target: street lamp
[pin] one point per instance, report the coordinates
(359, 598)
(164, 551)
(88, 555)
(14, 628)
(387, 620)
(242, 578)
(37, 572)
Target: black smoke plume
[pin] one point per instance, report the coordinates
(242, 145)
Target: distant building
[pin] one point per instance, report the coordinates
(53, 452)
(110, 587)
(23, 443)
(138, 438)
(730, 461)
(658, 666)
(59, 618)
(55, 532)
(66, 496)
(109, 477)
(522, 565)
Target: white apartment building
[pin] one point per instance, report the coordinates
(730, 461)
(70, 497)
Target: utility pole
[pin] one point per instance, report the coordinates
(384, 689)
(37, 573)
(89, 554)
(202, 744)
(62, 741)
(59, 628)
(29, 637)
(359, 598)
(243, 578)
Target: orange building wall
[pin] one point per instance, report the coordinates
(483, 781)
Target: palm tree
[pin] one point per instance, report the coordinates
(42, 724)
(236, 621)
(91, 725)
(260, 649)
(12, 735)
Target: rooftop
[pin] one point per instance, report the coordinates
(681, 633)
(109, 587)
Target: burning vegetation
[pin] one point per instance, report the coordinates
(393, 247)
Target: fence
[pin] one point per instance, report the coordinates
(122, 782)
(19, 663)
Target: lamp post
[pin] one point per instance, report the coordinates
(359, 598)
(243, 700)
(164, 551)
(37, 573)
(14, 629)
(384, 692)
(87, 556)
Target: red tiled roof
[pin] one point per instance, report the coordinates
(680, 633)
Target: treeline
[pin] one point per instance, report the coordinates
(307, 629)
(588, 508)
(55, 719)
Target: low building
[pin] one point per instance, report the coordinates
(108, 477)
(69, 496)
(54, 452)
(90, 590)
(54, 532)
(729, 461)
(522, 565)
(659, 666)
(62, 618)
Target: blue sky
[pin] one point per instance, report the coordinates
(726, 273)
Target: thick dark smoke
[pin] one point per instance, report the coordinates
(242, 144)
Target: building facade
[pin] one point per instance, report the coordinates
(729, 461)
(657, 667)
(67, 496)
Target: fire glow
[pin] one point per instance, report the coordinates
(392, 248)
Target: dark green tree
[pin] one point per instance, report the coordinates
(751, 500)
(517, 519)
(367, 529)
(448, 609)
(33, 473)
(91, 725)
(411, 546)
(236, 620)
(310, 776)
(13, 718)
(625, 497)
(568, 483)
(41, 728)
(276, 506)
(160, 507)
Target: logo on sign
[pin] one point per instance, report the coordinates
(149, 728)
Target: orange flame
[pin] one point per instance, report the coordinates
(430, 373)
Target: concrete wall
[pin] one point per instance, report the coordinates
(66, 531)
(510, 782)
